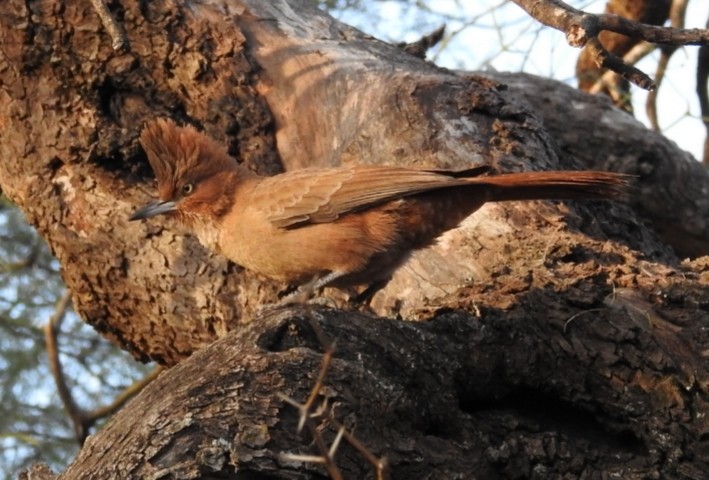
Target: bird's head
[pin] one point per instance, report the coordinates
(195, 175)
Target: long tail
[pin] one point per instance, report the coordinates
(559, 184)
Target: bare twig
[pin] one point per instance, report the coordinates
(82, 420)
(51, 330)
(582, 29)
(422, 45)
(702, 80)
(605, 59)
(380, 464)
(306, 407)
(23, 263)
(115, 31)
(606, 83)
(678, 12)
(128, 393)
(326, 455)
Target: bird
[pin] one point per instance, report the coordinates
(345, 227)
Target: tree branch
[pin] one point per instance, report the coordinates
(121, 399)
(703, 96)
(51, 331)
(677, 13)
(82, 419)
(582, 28)
(442, 396)
(113, 28)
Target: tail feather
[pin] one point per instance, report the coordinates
(556, 185)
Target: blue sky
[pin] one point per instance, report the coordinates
(499, 35)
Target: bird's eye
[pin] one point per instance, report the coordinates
(187, 188)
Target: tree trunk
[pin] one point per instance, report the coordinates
(555, 339)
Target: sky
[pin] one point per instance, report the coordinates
(499, 35)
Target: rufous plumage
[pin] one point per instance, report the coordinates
(336, 226)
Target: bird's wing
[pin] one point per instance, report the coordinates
(322, 195)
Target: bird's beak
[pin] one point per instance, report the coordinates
(154, 208)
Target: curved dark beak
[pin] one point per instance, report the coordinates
(154, 208)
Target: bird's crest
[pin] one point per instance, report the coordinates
(179, 154)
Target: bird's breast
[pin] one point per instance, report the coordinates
(207, 234)
(297, 255)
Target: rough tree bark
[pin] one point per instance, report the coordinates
(555, 339)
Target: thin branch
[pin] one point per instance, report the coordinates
(422, 45)
(115, 31)
(582, 29)
(51, 330)
(81, 419)
(128, 393)
(23, 263)
(649, 33)
(380, 464)
(327, 454)
(607, 82)
(678, 12)
(326, 457)
(605, 59)
(702, 80)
